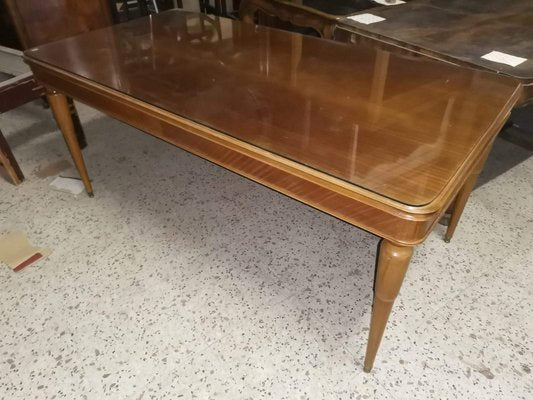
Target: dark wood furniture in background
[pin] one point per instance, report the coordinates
(320, 15)
(460, 32)
(126, 10)
(121, 10)
(8, 35)
(455, 31)
(219, 7)
(288, 112)
(38, 22)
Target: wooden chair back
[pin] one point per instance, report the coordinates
(42, 21)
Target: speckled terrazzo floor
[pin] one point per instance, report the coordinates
(180, 280)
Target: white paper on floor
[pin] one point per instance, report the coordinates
(68, 185)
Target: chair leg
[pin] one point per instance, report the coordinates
(7, 159)
(80, 135)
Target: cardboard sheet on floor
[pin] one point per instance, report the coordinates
(17, 252)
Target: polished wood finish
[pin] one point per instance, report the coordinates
(456, 31)
(386, 149)
(61, 110)
(393, 261)
(386, 129)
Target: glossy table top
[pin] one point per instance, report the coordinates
(462, 30)
(399, 127)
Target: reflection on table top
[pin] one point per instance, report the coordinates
(400, 127)
(459, 30)
(337, 7)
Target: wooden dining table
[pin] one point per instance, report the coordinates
(384, 149)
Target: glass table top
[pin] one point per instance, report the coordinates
(398, 126)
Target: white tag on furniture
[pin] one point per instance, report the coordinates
(366, 18)
(389, 2)
(503, 58)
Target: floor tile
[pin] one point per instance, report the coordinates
(283, 352)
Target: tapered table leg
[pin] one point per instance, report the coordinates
(462, 197)
(61, 110)
(459, 206)
(393, 261)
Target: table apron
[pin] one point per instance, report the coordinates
(381, 219)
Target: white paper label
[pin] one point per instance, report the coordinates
(503, 58)
(366, 18)
(389, 2)
(69, 185)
